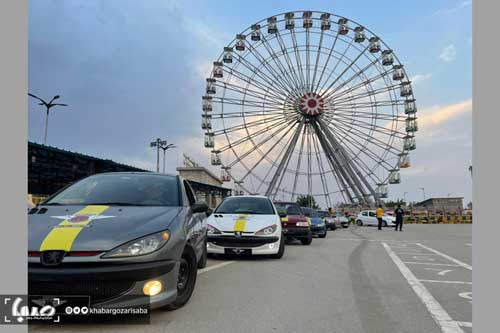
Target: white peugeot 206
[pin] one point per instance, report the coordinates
(246, 225)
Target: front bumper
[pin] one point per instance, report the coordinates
(107, 284)
(257, 244)
(297, 232)
(315, 231)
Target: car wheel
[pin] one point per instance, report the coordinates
(202, 263)
(359, 222)
(306, 241)
(324, 235)
(384, 223)
(186, 279)
(281, 250)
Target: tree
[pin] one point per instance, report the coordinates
(307, 201)
(392, 204)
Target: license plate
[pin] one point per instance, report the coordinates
(238, 251)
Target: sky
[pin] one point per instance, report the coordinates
(132, 71)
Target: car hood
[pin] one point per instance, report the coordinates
(241, 222)
(95, 228)
(292, 219)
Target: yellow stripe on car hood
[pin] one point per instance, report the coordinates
(63, 235)
(240, 223)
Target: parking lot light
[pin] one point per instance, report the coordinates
(152, 288)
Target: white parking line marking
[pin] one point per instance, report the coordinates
(451, 282)
(464, 323)
(429, 263)
(442, 272)
(456, 261)
(208, 269)
(422, 257)
(468, 244)
(440, 316)
(466, 295)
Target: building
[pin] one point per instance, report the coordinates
(207, 186)
(454, 204)
(51, 168)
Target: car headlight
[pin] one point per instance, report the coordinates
(267, 230)
(211, 230)
(140, 246)
(302, 224)
(321, 224)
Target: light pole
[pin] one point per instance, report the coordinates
(404, 197)
(158, 143)
(165, 148)
(423, 191)
(47, 106)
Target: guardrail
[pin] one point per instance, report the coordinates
(439, 219)
(435, 219)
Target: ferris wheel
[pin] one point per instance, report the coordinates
(310, 103)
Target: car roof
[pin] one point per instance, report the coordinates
(249, 196)
(286, 202)
(135, 173)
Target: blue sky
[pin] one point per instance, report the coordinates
(132, 71)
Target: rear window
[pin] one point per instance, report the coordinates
(242, 205)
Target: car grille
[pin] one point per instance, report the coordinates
(248, 241)
(97, 290)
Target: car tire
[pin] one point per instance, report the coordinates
(202, 263)
(306, 241)
(281, 250)
(384, 223)
(324, 235)
(359, 223)
(186, 281)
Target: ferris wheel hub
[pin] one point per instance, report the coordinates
(311, 104)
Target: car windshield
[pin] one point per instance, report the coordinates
(309, 212)
(121, 189)
(245, 205)
(322, 214)
(288, 208)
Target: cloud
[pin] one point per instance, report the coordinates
(438, 114)
(449, 53)
(420, 78)
(451, 10)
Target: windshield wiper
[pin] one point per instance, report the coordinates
(114, 204)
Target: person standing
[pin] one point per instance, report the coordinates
(399, 218)
(380, 213)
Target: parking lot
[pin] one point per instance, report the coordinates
(357, 279)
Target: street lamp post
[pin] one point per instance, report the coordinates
(48, 106)
(423, 191)
(165, 148)
(158, 143)
(404, 197)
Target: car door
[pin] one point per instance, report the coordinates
(372, 218)
(364, 217)
(195, 222)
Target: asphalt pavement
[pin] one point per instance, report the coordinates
(357, 279)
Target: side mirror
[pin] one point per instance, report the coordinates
(199, 207)
(281, 214)
(209, 212)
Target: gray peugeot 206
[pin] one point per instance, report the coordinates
(114, 235)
